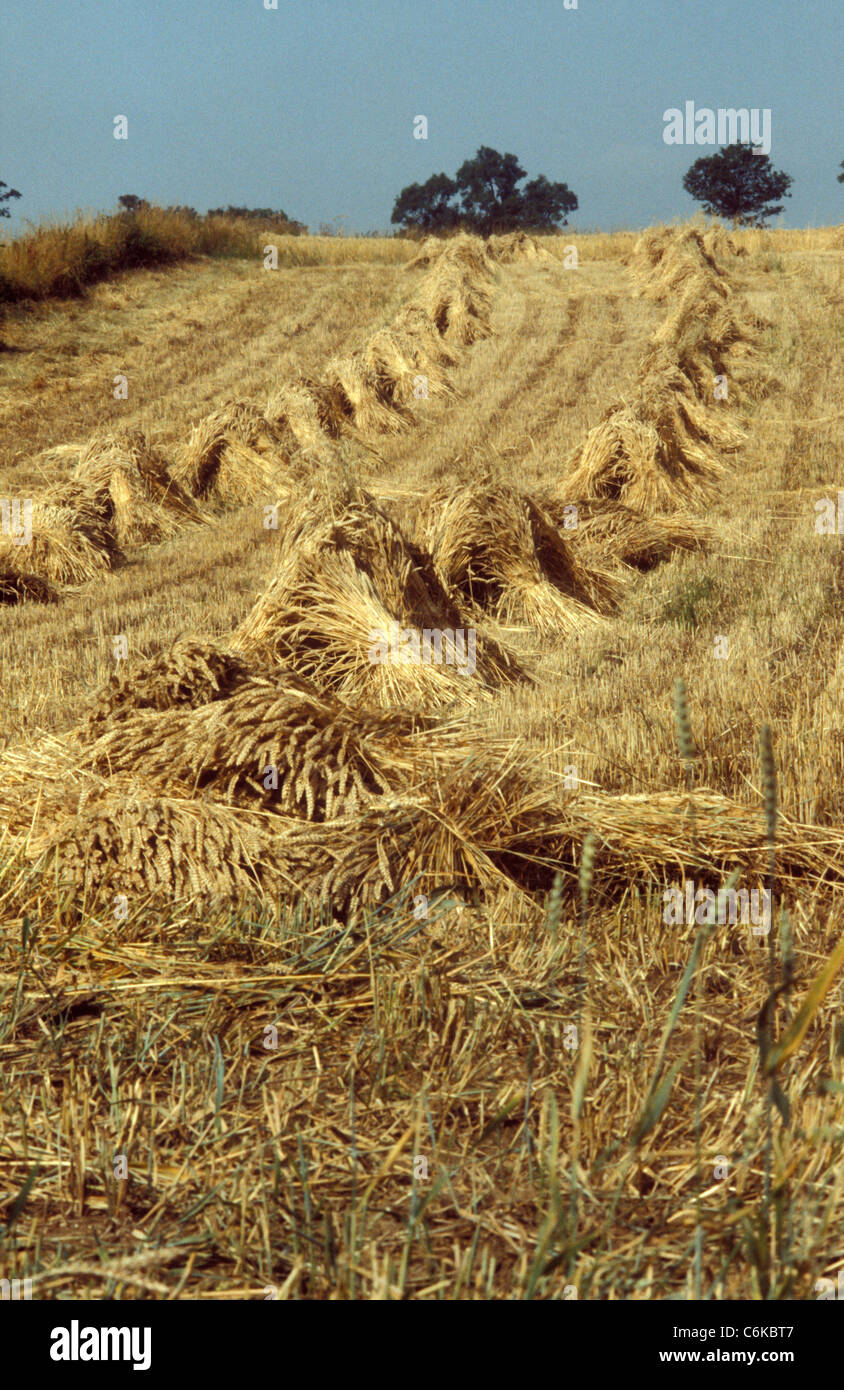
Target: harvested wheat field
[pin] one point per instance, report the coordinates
(422, 777)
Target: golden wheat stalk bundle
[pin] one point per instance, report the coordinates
(471, 254)
(496, 549)
(305, 411)
(651, 835)
(404, 366)
(680, 271)
(129, 480)
(350, 602)
(666, 398)
(517, 246)
(475, 828)
(273, 740)
(649, 463)
(712, 338)
(134, 836)
(235, 455)
(667, 262)
(457, 303)
(464, 251)
(135, 841)
(607, 530)
(362, 397)
(191, 672)
(703, 362)
(428, 251)
(19, 587)
(658, 242)
(474, 821)
(70, 541)
(649, 249)
(719, 244)
(350, 838)
(413, 322)
(276, 743)
(720, 320)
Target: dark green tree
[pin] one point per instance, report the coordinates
(10, 193)
(841, 175)
(738, 183)
(485, 197)
(545, 205)
(427, 206)
(489, 195)
(130, 202)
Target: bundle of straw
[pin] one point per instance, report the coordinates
(606, 531)
(346, 584)
(364, 397)
(666, 262)
(498, 550)
(517, 246)
(235, 455)
(189, 673)
(70, 543)
(129, 481)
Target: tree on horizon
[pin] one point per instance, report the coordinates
(484, 197)
(739, 183)
(10, 193)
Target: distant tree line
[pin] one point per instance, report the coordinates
(131, 203)
(738, 182)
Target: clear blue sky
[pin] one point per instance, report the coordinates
(310, 107)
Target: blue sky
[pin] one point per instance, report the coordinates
(310, 107)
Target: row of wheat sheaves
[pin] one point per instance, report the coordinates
(289, 764)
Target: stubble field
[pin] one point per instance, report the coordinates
(326, 975)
